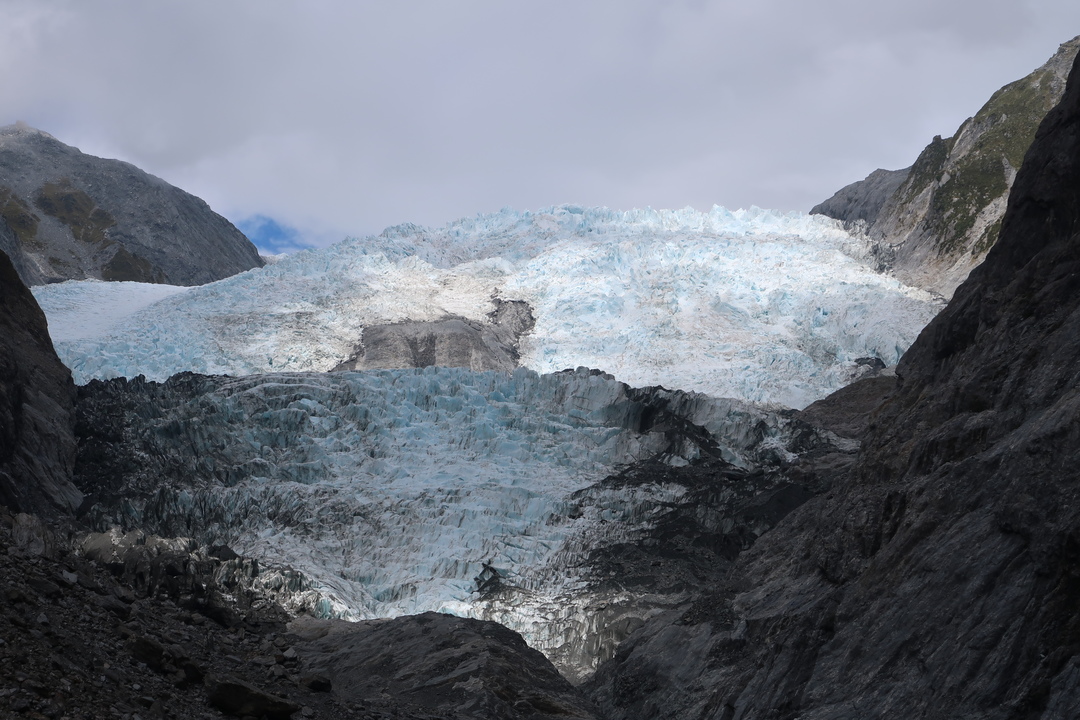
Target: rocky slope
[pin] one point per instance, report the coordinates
(940, 578)
(934, 222)
(37, 407)
(136, 626)
(65, 215)
(438, 662)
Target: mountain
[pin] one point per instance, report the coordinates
(933, 222)
(65, 215)
(938, 578)
(750, 304)
(906, 546)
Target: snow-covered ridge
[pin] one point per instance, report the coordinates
(752, 304)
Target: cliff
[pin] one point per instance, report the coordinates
(37, 407)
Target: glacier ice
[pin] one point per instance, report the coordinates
(381, 493)
(386, 492)
(86, 309)
(752, 304)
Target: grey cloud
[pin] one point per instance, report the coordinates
(342, 117)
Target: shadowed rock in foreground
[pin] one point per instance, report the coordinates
(37, 407)
(457, 667)
(941, 579)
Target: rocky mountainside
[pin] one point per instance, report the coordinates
(941, 577)
(934, 222)
(65, 215)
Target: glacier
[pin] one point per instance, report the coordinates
(382, 493)
(502, 495)
(752, 304)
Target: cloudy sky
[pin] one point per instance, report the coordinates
(340, 117)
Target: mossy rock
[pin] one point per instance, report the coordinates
(1003, 131)
(19, 217)
(76, 209)
(125, 266)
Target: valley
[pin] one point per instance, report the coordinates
(572, 462)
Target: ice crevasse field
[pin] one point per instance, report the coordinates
(751, 304)
(399, 485)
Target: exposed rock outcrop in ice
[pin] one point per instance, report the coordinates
(752, 304)
(451, 342)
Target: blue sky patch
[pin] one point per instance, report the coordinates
(271, 236)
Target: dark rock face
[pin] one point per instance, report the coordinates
(445, 665)
(37, 407)
(239, 699)
(65, 215)
(941, 578)
(847, 411)
(451, 342)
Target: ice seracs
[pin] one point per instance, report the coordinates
(752, 304)
(382, 493)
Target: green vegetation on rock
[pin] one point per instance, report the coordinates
(19, 217)
(1003, 130)
(926, 170)
(76, 209)
(125, 266)
(941, 219)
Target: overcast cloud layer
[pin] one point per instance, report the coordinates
(341, 118)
